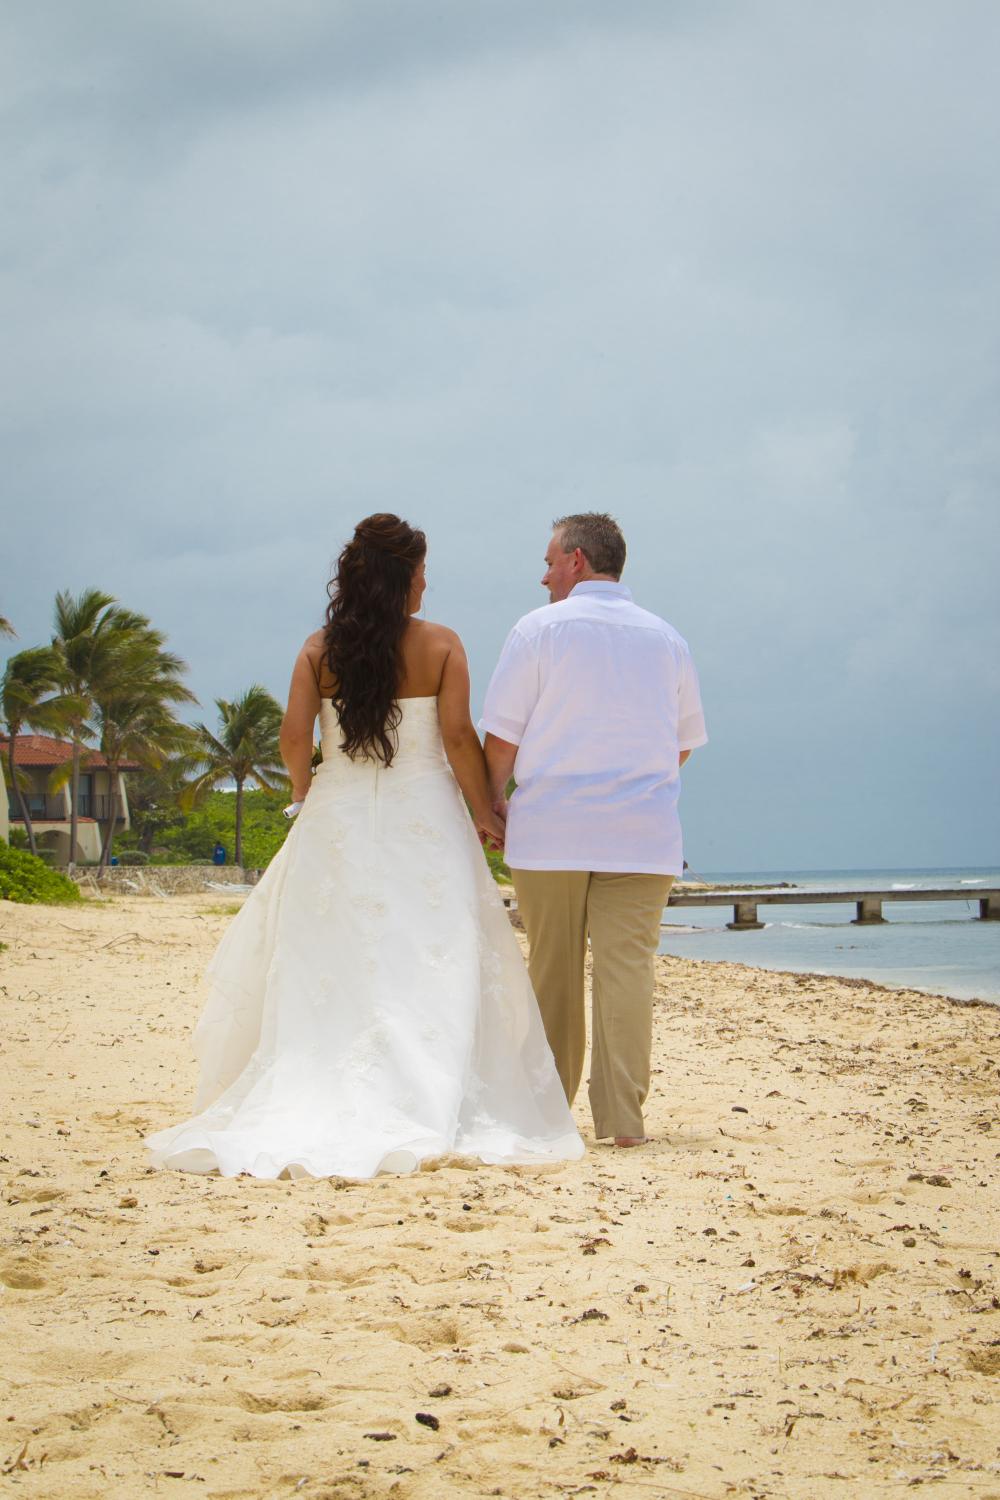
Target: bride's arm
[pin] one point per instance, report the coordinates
(461, 742)
(299, 722)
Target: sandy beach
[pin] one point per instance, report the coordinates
(793, 1291)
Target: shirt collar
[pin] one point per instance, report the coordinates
(601, 586)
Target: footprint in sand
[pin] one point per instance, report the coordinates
(283, 1401)
(371, 1275)
(187, 1287)
(24, 1194)
(119, 1117)
(312, 1272)
(984, 1361)
(860, 1275)
(82, 1418)
(78, 1365)
(427, 1332)
(21, 1273)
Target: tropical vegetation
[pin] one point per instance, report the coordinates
(192, 835)
(25, 878)
(498, 866)
(123, 685)
(30, 699)
(245, 748)
(154, 804)
(85, 626)
(135, 717)
(108, 683)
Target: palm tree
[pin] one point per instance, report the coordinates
(28, 692)
(86, 629)
(134, 693)
(6, 628)
(246, 746)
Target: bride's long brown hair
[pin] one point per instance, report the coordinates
(365, 621)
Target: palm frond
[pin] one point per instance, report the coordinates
(78, 614)
(246, 744)
(29, 678)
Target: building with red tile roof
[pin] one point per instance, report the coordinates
(38, 757)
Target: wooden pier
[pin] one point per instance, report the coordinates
(867, 903)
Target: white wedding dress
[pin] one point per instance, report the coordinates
(369, 1005)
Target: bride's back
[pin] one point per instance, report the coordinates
(417, 742)
(423, 652)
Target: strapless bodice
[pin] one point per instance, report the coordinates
(418, 736)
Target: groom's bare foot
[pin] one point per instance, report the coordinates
(631, 1140)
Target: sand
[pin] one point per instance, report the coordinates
(794, 1291)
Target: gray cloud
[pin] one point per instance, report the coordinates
(728, 270)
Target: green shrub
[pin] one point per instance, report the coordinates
(498, 868)
(133, 857)
(27, 879)
(214, 820)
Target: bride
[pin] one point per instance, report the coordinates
(369, 1005)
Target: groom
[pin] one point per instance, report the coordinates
(593, 708)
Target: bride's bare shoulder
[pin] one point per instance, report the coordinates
(314, 653)
(436, 635)
(313, 645)
(427, 649)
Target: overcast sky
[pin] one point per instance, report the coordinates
(729, 270)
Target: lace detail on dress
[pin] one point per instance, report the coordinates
(368, 1050)
(326, 894)
(368, 907)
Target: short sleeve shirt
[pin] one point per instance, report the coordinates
(600, 698)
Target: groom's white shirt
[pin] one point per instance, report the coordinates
(600, 697)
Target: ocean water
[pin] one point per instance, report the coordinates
(938, 946)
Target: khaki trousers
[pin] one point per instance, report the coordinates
(622, 914)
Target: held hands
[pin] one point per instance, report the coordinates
(491, 828)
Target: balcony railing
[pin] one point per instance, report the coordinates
(98, 807)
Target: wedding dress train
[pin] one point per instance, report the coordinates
(369, 1005)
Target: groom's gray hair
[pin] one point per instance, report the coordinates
(599, 538)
